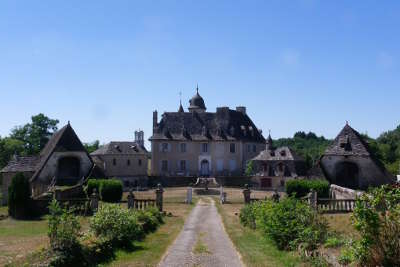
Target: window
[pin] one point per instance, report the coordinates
(232, 148)
(183, 147)
(139, 162)
(114, 162)
(128, 162)
(283, 153)
(164, 147)
(164, 165)
(249, 148)
(204, 148)
(254, 148)
(182, 165)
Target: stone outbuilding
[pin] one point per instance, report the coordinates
(274, 166)
(127, 161)
(349, 163)
(64, 161)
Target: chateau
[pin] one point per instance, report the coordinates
(201, 143)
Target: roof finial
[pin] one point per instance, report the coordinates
(69, 122)
(180, 97)
(347, 122)
(197, 88)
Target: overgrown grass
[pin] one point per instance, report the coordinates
(150, 251)
(255, 249)
(200, 247)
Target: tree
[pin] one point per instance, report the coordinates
(9, 147)
(18, 196)
(249, 168)
(91, 147)
(36, 134)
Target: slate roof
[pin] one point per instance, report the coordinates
(22, 164)
(119, 148)
(348, 143)
(223, 125)
(279, 154)
(64, 139)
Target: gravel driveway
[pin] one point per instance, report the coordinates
(203, 241)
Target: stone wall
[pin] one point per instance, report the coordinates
(338, 192)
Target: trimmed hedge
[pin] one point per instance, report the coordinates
(300, 188)
(110, 189)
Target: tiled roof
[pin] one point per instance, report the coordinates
(348, 143)
(114, 148)
(22, 164)
(280, 154)
(224, 125)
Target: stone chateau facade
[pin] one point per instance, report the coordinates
(201, 143)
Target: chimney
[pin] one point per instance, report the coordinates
(241, 109)
(139, 138)
(155, 119)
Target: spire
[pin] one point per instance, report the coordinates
(197, 88)
(180, 103)
(269, 141)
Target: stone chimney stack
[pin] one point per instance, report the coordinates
(155, 119)
(139, 137)
(241, 109)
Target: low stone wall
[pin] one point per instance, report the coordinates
(338, 192)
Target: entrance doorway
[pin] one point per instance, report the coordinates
(346, 174)
(205, 168)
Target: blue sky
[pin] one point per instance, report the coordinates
(106, 65)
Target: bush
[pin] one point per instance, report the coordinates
(18, 197)
(109, 190)
(377, 218)
(149, 219)
(63, 233)
(116, 224)
(301, 188)
(91, 185)
(290, 223)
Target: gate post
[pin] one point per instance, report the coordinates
(94, 201)
(246, 194)
(313, 199)
(189, 195)
(131, 200)
(159, 197)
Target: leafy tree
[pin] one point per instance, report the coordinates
(91, 147)
(18, 196)
(9, 147)
(249, 168)
(36, 134)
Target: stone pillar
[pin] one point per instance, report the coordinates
(189, 195)
(246, 194)
(276, 196)
(131, 200)
(94, 201)
(313, 198)
(159, 197)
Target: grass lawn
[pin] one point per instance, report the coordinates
(21, 238)
(150, 251)
(254, 248)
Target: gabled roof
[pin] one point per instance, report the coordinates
(120, 148)
(223, 125)
(22, 164)
(349, 142)
(280, 154)
(63, 140)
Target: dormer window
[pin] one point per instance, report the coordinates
(283, 153)
(232, 131)
(114, 162)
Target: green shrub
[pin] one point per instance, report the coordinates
(110, 190)
(334, 242)
(92, 184)
(301, 188)
(377, 219)
(289, 223)
(116, 224)
(63, 232)
(18, 197)
(148, 220)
